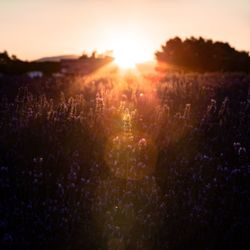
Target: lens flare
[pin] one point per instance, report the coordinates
(130, 156)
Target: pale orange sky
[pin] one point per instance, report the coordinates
(32, 29)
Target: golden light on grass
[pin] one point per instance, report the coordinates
(125, 155)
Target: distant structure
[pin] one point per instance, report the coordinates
(35, 74)
(83, 66)
(58, 66)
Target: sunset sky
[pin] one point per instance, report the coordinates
(32, 29)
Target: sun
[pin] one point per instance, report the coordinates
(129, 50)
(125, 58)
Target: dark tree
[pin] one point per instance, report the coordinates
(198, 54)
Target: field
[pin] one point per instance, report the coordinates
(125, 162)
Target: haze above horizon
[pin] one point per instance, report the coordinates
(35, 29)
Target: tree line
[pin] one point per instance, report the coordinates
(191, 54)
(200, 55)
(11, 65)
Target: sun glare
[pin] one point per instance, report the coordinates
(129, 51)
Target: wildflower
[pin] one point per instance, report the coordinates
(142, 143)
